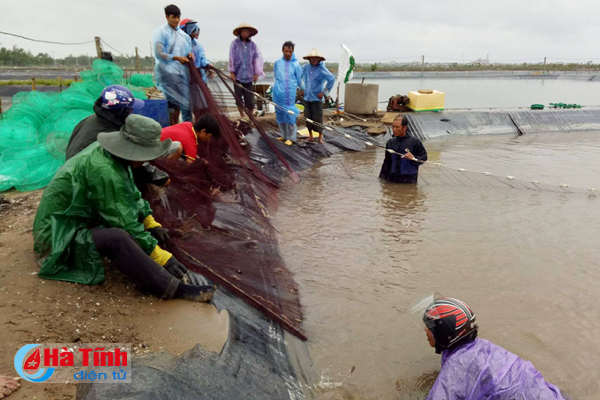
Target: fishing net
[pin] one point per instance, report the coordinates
(227, 236)
(142, 80)
(436, 174)
(38, 126)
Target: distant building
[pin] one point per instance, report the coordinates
(483, 61)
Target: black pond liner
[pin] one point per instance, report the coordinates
(260, 359)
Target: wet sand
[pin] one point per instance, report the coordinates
(34, 310)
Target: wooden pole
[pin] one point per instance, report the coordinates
(422, 64)
(0, 104)
(137, 60)
(337, 102)
(544, 65)
(33, 83)
(98, 47)
(60, 84)
(152, 57)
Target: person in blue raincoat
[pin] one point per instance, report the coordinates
(172, 50)
(191, 28)
(288, 75)
(317, 81)
(474, 368)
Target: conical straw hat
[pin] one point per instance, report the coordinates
(236, 31)
(314, 53)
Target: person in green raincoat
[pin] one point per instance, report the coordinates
(92, 209)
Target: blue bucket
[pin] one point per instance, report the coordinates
(158, 110)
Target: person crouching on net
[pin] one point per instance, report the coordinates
(92, 210)
(189, 136)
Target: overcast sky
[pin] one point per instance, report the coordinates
(385, 30)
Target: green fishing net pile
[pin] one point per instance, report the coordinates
(35, 131)
(142, 80)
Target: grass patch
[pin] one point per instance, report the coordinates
(38, 82)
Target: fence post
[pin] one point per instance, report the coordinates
(33, 83)
(137, 60)
(98, 47)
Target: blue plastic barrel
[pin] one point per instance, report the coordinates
(158, 110)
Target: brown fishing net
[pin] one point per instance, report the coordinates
(218, 215)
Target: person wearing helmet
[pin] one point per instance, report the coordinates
(474, 368)
(111, 110)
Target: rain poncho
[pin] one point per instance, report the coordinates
(200, 60)
(480, 370)
(288, 75)
(316, 80)
(91, 190)
(171, 76)
(245, 60)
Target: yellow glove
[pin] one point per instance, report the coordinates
(150, 222)
(160, 256)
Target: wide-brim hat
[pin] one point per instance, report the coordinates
(314, 53)
(236, 31)
(138, 140)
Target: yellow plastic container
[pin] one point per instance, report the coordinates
(431, 100)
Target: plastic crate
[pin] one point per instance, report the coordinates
(158, 110)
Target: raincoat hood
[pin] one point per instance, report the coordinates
(294, 58)
(480, 370)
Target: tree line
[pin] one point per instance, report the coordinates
(18, 57)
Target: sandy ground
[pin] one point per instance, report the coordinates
(34, 310)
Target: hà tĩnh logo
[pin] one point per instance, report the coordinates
(75, 363)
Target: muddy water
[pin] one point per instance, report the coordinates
(527, 262)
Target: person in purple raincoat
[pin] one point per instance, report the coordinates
(245, 66)
(474, 368)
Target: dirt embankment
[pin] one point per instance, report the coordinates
(35, 310)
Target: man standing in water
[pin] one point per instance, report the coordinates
(404, 166)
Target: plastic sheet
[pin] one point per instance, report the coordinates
(255, 364)
(513, 122)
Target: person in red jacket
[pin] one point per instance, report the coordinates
(188, 135)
